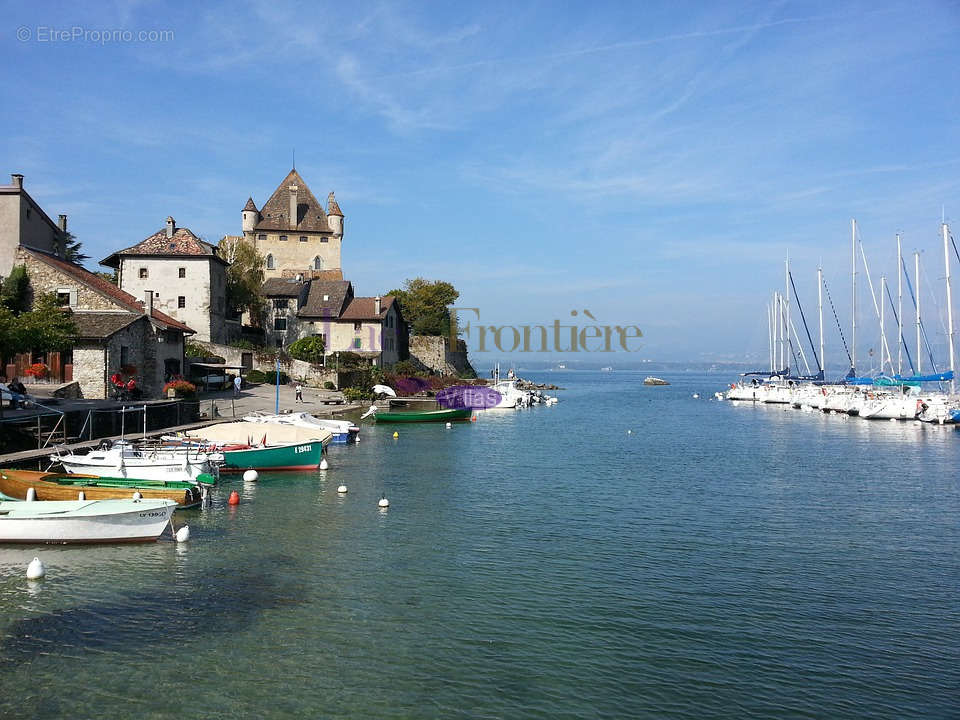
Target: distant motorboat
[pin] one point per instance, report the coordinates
(650, 380)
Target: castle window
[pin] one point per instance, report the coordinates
(318, 263)
(143, 273)
(303, 238)
(262, 237)
(181, 272)
(181, 301)
(269, 262)
(324, 239)
(283, 238)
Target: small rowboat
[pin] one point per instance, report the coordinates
(84, 521)
(68, 486)
(424, 415)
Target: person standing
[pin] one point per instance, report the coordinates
(299, 393)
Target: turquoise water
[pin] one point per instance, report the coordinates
(719, 561)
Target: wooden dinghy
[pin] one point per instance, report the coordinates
(68, 486)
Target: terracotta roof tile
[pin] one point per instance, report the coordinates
(275, 213)
(105, 287)
(362, 308)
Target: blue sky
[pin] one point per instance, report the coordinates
(651, 162)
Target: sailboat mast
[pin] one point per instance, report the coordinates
(916, 273)
(823, 362)
(899, 308)
(946, 258)
(883, 327)
(788, 324)
(853, 258)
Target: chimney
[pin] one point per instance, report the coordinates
(148, 303)
(62, 223)
(376, 306)
(171, 226)
(293, 206)
(17, 180)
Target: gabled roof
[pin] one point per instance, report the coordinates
(275, 213)
(183, 243)
(362, 308)
(338, 294)
(282, 287)
(106, 288)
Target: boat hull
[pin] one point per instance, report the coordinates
(300, 456)
(425, 416)
(56, 486)
(93, 521)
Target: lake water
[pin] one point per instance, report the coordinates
(718, 561)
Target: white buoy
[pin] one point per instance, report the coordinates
(35, 570)
(31, 494)
(137, 495)
(251, 476)
(324, 464)
(383, 503)
(81, 496)
(342, 489)
(183, 534)
(449, 425)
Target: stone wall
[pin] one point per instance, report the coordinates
(434, 354)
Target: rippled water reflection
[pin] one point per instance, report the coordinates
(718, 561)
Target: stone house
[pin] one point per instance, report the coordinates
(326, 306)
(293, 231)
(114, 329)
(187, 277)
(23, 222)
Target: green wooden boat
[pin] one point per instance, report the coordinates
(296, 456)
(447, 415)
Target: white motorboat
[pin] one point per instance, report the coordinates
(122, 459)
(83, 521)
(342, 431)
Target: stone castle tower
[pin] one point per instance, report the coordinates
(293, 232)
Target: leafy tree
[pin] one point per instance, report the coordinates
(244, 276)
(424, 305)
(309, 349)
(14, 295)
(73, 250)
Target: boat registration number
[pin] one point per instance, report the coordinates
(302, 449)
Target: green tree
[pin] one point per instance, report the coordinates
(73, 250)
(309, 349)
(244, 276)
(14, 295)
(424, 305)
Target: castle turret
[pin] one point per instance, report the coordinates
(251, 216)
(334, 216)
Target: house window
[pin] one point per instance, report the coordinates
(303, 238)
(283, 238)
(357, 326)
(324, 239)
(181, 272)
(181, 301)
(280, 324)
(357, 343)
(143, 273)
(269, 262)
(262, 237)
(318, 263)
(281, 303)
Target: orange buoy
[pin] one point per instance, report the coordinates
(234, 498)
